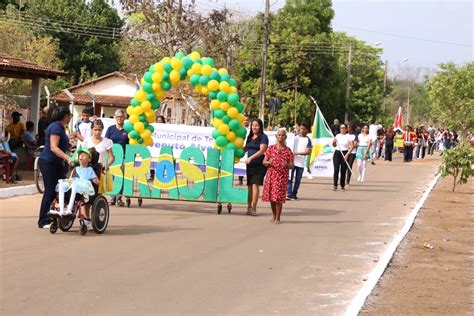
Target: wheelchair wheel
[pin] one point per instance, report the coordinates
(229, 207)
(128, 202)
(53, 227)
(140, 201)
(219, 208)
(83, 229)
(100, 214)
(39, 181)
(65, 223)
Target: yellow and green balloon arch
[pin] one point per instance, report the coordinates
(226, 109)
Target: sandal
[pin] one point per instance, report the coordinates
(112, 203)
(120, 203)
(249, 211)
(253, 212)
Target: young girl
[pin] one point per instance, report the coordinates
(363, 151)
(102, 145)
(279, 159)
(80, 182)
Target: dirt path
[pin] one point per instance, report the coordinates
(424, 281)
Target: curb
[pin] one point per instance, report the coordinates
(16, 191)
(359, 300)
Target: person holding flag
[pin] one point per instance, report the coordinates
(344, 145)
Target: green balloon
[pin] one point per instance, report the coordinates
(150, 128)
(222, 96)
(135, 102)
(165, 76)
(231, 146)
(232, 82)
(147, 87)
(198, 60)
(187, 63)
(155, 104)
(233, 98)
(150, 97)
(208, 61)
(152, 68)
(213, 95)
(147, 77)
(225, 77)
(134, 134)
(234, 125)
(168, 68)
(219, 114)
(226, 119)
(194, 79)
(183, 73)
(179, 55)
(240, 107)
(215, 134)
(165, 85)
(241, 132)
(203, 80)
(239, 152)
(221, 141)
(140, 140)
(128, 127)
(215, 76)
(142, 118)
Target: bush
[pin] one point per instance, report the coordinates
(458, 162)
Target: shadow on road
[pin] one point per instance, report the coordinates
(142, 229)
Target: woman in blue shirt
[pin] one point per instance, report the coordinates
(51, 160)
(256, 145)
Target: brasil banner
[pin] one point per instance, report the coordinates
(320, 160)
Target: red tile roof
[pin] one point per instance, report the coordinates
(14, 67)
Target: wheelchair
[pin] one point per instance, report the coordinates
(99, 212)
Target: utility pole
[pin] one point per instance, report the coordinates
(408, 106)
(384, 90)
(263, 85)
(348, 88)
(296, 100)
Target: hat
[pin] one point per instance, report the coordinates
(17, 114)
(84, 150)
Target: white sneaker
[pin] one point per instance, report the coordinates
(359, 178)
(67, 212)
(47, 226)
(54, 212)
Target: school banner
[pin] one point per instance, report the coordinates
(320, 159)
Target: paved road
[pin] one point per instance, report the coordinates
(183, 258)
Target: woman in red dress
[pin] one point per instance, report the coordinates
(279, 159)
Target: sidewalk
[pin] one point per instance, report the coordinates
(26, 186)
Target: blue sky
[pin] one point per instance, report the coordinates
(424, 32)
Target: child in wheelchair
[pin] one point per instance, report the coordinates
(81, 185)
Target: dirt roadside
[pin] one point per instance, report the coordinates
(424, 281)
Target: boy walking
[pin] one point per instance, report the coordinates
(301, 148)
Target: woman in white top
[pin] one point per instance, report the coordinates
(363, 151)
(352, 154)
(102, 145)
(344, 146)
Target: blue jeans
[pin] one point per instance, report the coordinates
(292, 190)
(51, 172)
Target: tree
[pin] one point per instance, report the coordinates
(458, 162)
(451, 93)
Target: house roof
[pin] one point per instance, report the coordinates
(103, 100)
(127, 76)
(13, 67)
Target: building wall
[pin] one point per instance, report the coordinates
(117, 86)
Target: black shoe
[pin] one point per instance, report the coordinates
(373, 163)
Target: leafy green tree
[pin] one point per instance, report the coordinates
(451, 93)
(458, 162)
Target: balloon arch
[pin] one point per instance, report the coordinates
(227, 111)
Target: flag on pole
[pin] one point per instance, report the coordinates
(397, 124)
(321, 136)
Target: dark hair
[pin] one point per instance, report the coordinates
(260, 123)
(30, 124)
(98, 122)
(88, 110)
(94, 156)
(60, 113)
(305, 124)
(161, 117)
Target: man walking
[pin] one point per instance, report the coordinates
(301, 148)
(408, 143)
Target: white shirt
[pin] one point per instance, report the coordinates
(85, 129)
(299, 146)
(373, 129)
(352, 137)
(342, 141)
(364, 139)
(101, 147)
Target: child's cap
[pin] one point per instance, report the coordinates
(84, 150)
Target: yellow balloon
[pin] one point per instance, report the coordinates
(156, 87)
(132, 141)
(139, 127)
(145, 134)
(158, 67)
(140, 95)
(233, 90)
(198, 88)
(241, 117)
(231, 136)
(223, 129)
(239, 142)
(142, 81)
(205, 90)
(215, 104)
(195, 55)
(174, 76)
(190, 72)
(223, 71)
(225, 106)
(150, 119)
(138, 110)
(148, 141)
(213, 85)
(133, 118)
(236, 160)
(165, 60)
(130, 110)
(224, 86)
(160, 95)
(156, 77)
(232, 113)
(176, 63)
(217, 122)
(206, 70)
(196, 68)
(146, 105)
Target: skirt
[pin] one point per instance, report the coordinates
(360, 153)
(256, 174)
